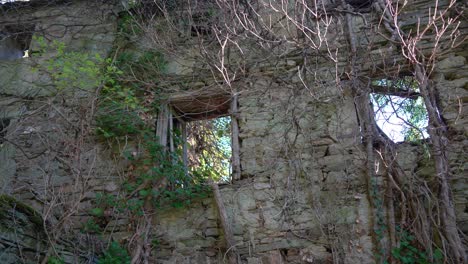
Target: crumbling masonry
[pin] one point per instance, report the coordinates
(303, 195)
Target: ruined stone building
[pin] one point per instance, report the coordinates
(311, 185)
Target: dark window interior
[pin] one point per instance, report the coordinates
(359, 4)
(3, 128)
(15, 40)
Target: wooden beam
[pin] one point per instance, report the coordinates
(162, 125)
(235, 144)
(386, 90)
(184, 146)
(232, 254)
(191, 109)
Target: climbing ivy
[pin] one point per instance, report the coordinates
(409, 253)
(74, 70)
(115, 254)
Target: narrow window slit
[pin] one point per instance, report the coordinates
(4, 123)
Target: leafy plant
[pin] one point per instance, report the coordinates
(409, 253)
(123, 112)
(91, 227)
(72, 69)
(55, 260)
(115, 254)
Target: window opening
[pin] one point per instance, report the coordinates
(201, 131)
(399, 109)
(15, 41)
(209, 148)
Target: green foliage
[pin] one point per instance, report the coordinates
(409, 253)
(160, 164)
(98, 212)
(210, 143)
(117, 115)
(125, 24)
(122, 113)
(115, 254)
(114, 120)
(72, 69)
(55, 260)
(147, 65)
(91, 227)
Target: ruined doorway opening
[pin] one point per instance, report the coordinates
(399, 109)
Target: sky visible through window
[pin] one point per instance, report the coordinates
(399, 111)
(400, 118)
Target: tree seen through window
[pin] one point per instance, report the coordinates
(209, 148)
(399, 110)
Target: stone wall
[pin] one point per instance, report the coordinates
(303, 196)
(302, 191)
(49, 159)
(452, 83)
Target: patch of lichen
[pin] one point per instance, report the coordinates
(8, 203)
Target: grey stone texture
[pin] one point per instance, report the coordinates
(303, 186)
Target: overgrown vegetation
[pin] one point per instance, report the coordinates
(155, 177)
(409, 252)
(210, 148)
(129, 96)
(115, 254)
(127, 111)
(71, 69)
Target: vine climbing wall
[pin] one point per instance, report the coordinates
(304, 194)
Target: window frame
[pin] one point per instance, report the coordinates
(185, 108)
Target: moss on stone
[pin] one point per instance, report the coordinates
(8, 203)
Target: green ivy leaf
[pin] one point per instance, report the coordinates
(98, 212)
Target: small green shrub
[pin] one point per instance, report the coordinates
(71, 69)
(115, 254)
(115, 121)
(55, 260)
(409, 253)
(91, 227)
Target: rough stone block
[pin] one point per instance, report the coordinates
(211, 232)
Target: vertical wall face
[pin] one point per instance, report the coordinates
(303, 195)
(48, 157)
(451, 81)
(82, 26)
(306, 186)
